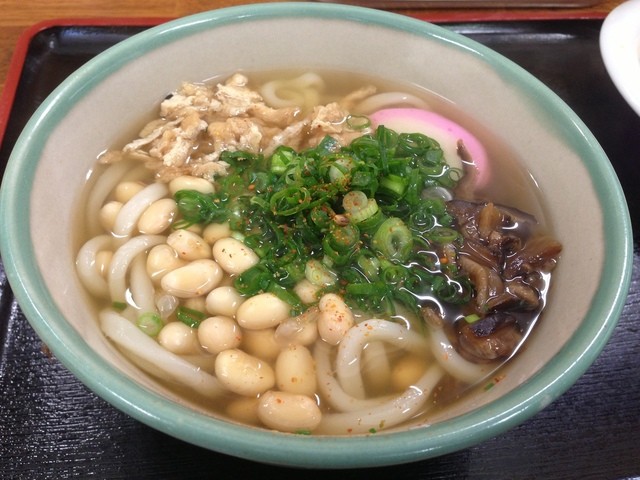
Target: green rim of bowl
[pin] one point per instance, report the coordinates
(295, 450)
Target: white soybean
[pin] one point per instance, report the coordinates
(179, 338)
(407, 371)
(224, 301)
(234, 256)
(196, 303)
(219, 333)
(300, 330)
(261, 343)
(189, 245)
(161, 260)
(108, 214)
(186, 182)
(244, 374)
(102, 262)
(296, 371)
(215, 231)
(306, 291)
(335, 318)
(195, 228)
(289, 412)
(194, 279)
(261, 311)
(125, 191)
(158, 216)
(244, 409)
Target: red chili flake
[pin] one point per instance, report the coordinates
(498, 378)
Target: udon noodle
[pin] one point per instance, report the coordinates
(310, 259)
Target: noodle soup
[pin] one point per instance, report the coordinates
(315, 253)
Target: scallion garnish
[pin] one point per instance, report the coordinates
(349, 219)
(473, 318)
(150, 323)
(120, 306)
(190, 317)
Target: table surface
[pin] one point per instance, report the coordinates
(17, 15)
(52, 427)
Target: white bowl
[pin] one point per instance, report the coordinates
(620, 48)
(90, 111)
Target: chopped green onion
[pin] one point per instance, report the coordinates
(290, 201)
(287, 295)
(443, 235)
(393, 240)
(358, 206)
(254, 280)
(240, 159)
(365, 213)
(340, 168)
(369, 264)
(364, 180)
(326, 146)
(150, 323)
(290, 274)
(358, 122)
(421, 146)
(321, 216)
(371, 224)
(394, 185)
(343, 239)
(394, 274)
(377, 289)
(120, 306)
(196, 207)
(474, 317)
(350, 219)
(319, 275)
(190, 317)
(281, 159)
(354, 201)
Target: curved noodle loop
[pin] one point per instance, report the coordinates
(131, 211)
(153, 358)
(303, 91)
(348, 364)
(86, 265)
(346, 391)
(407, 405)
(452, 362)
(122, 259)
(331, 389)
(385, 100)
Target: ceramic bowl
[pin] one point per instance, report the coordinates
(620, 48)
(87, 114)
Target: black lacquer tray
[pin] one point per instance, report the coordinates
(51, 426)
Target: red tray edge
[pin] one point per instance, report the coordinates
(18, 59)
(24, 40)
